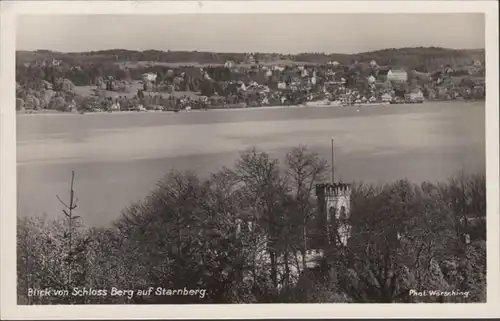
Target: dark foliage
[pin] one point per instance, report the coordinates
(240, 234)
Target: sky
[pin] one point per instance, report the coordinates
(283, 33)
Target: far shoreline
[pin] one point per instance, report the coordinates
(128, 112)
(51, 112)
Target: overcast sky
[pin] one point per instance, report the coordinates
(285, 33)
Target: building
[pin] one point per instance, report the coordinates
(72, 105)
(386, 97)
(448, 70)
(115, 107)
(149, 77)
(56, 62)
(261, 259)
(397, 75)
(371, 79)
(415, 97)
(282, 85)
(240, 85)
(388, 74)
(334, 202)
(229, 64)
(382, 73)
(333, 63)
(334, 197)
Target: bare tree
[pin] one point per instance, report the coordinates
(304, 169)
(68, 212)
(76, 251)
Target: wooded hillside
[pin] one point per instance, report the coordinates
(422, 59)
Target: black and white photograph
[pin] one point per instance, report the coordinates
(245, 158)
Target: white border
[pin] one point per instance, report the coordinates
(10, 310)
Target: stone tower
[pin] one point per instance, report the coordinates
(334, 201)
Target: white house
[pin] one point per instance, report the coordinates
(333, 63)
(371, 79)
(229, 64)
(329, 73)
(397, 75)
(416, 96)
(115, 107)
(448, 70)
(150, 77)
(281, 85)
(242, 86)
(56, 62)
(373, 63)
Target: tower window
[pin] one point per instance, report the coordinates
(331, 214)
(343, 214)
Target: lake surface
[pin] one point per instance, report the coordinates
(118, 158)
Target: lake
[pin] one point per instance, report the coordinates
(118, 158)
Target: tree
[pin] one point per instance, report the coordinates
(53, 255)
(264, 188)
(304, 169)
(75, 244)
(240, 232)
(397, 246)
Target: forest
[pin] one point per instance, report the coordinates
(190, 232)
(418, 58)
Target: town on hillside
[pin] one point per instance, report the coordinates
(121, 80)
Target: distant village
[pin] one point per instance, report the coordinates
(57, 85)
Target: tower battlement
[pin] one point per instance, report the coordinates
(336, 189)
(334, 202)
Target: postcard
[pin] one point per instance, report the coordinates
(249, 159)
